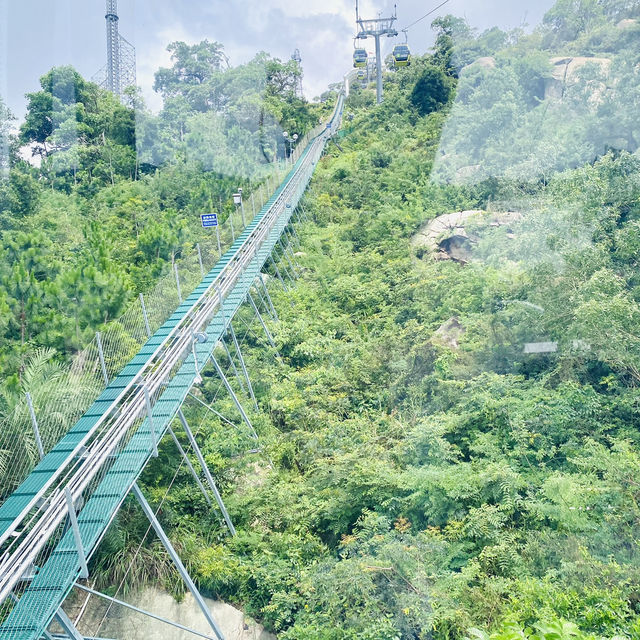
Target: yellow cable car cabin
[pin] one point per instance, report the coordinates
(401, 55)
(360, 58)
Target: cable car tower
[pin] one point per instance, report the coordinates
(376, 28)
(120, 70)
(296, 57)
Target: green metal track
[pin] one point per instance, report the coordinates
(53, 581)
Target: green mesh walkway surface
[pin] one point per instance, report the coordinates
(31, 615)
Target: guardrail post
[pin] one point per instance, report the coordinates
(145, 317)
(221, 305)
(84, 571)
(176, 560)
(200, 259)
(152, 431)
(175, 270)
(34, 424)
(103, 364)
(207, 473)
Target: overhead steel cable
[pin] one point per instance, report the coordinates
(426, 15)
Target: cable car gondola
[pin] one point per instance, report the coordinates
(401, 55)
(360, 58)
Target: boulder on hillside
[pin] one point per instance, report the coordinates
(450, 332)
(486, 62)
(564, 72)
(447, 237)
(628, 23)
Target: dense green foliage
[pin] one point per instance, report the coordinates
(426, 489)
(92, 225)
(422, 487)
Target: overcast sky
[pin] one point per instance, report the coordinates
(38, 34)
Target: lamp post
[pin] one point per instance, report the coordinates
(295, 139)
(285, 135)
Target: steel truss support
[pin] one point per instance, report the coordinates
(275, 266)
(262, 322)
(284, 266)
(243, 366)
(216, 413)
(264, 303)
(194, 473)
(67, 626)
(207, 473)
(268, 298)
(121, 603)
(146, 507)
(234, 397)
(233, 364)
(286, 255)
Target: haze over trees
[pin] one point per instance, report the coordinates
(434, 478)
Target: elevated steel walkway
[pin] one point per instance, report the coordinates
(85, 478)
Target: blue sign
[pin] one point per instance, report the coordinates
(209, 220)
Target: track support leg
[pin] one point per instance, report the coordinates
(207, 473)
(243, 366)
(146, 507)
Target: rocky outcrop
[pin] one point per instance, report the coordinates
(449, 332)
(629, 23)
(447, 237)
(486, 62)
(564, 73)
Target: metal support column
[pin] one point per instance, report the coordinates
(145, 317)
(215, 413)
(126, 605)
(73, 519)
(207, 473)
(34, 424)
(103, 364)
(286, 255)
(378, 70)
(275, 266)
(191, 468)
(200, 260)
(266, 291)
(175, 270)
(67, 626)
(176, 560)
(231, 392)
(233, 364)
(264, 304)
(264, 326)
(242, 364)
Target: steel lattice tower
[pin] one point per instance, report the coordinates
(120, 71)
(296, 57)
